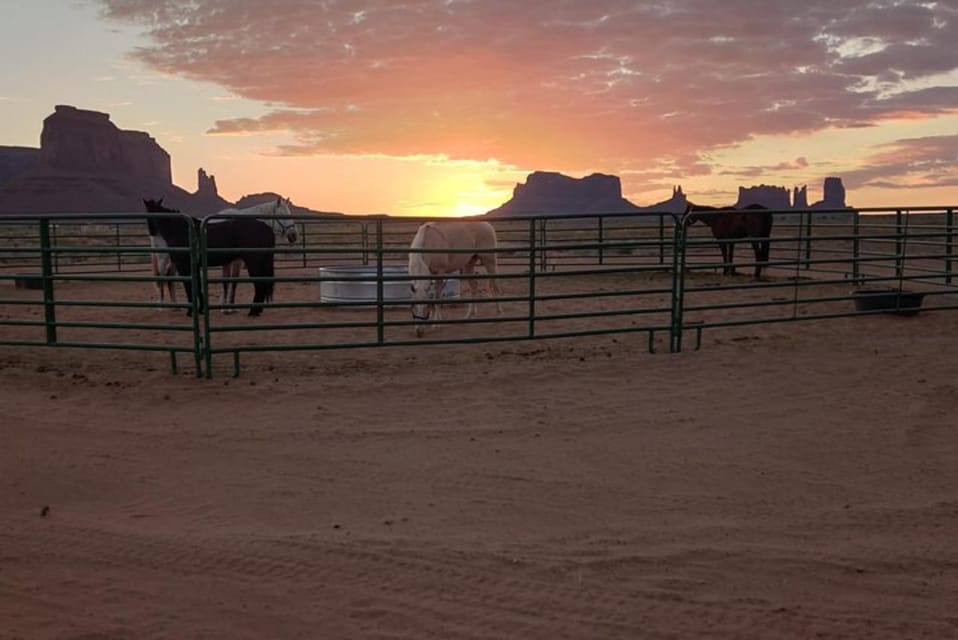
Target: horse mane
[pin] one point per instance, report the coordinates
(419, 242)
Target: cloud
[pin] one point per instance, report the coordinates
(909, 163)
(608, 84)
(797, 164)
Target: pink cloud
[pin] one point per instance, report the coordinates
(797, 164)
(910, 163)
(609, 84)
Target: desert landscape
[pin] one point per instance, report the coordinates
(786, 481)
(642, 445)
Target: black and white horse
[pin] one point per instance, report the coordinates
(160, 265)
(242, 238)
(277, 215)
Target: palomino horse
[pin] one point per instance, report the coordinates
(729, 223)
(470, 243)
(240, 238)
(277, 215)
(160, 264)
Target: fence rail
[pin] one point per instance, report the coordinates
(84, 281)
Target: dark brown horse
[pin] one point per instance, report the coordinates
(729, 223)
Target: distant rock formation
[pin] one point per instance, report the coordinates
(777, 198)
(766, 195)
(207, 199)
(205, 184)
(15, 161)
(833, 195)
(550, 193)
(86, 164)
(676, 204)
(83, 141)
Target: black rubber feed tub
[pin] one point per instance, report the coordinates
(888, 300)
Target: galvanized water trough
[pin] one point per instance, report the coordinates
(341, 284)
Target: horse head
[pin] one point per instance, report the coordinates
(154, 206)
(695, 214)
(284, 219)
(421, 287)
(420, 284)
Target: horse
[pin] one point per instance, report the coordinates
(729, 223)
(478, 242)
(161, 266)
(280, 221)
(237, 236)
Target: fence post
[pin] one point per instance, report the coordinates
(204, 279)
(661, 239)
(199, 343)
(380, 312)
(365, 242)
(119, 257)
(532, 277)
(898, 239)
(54, 242)
(601, 241)
(678, 284)
(543, 259)
(46, 262)
(856, 249)
(949, 246)
(303, 227)
(808, 240)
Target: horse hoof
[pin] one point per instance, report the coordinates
(227, 312)
(255, 312)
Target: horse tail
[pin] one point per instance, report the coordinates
(264, 267)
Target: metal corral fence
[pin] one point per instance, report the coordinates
(84, 281)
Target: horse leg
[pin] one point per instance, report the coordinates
(157, 285)
(725, 261)
(492, 269)
(170, 285)
(235, 269)
(731, 257)
(188, 290)
(766, 248)
(259, 294)
(260, 266)
(469, 270)
(757, 250)
(228, 295)
(438, 283)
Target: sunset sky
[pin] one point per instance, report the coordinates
(439, 107)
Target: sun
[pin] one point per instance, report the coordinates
(458, 194)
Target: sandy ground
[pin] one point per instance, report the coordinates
(786, 481)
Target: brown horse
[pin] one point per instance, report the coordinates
(729, 223)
